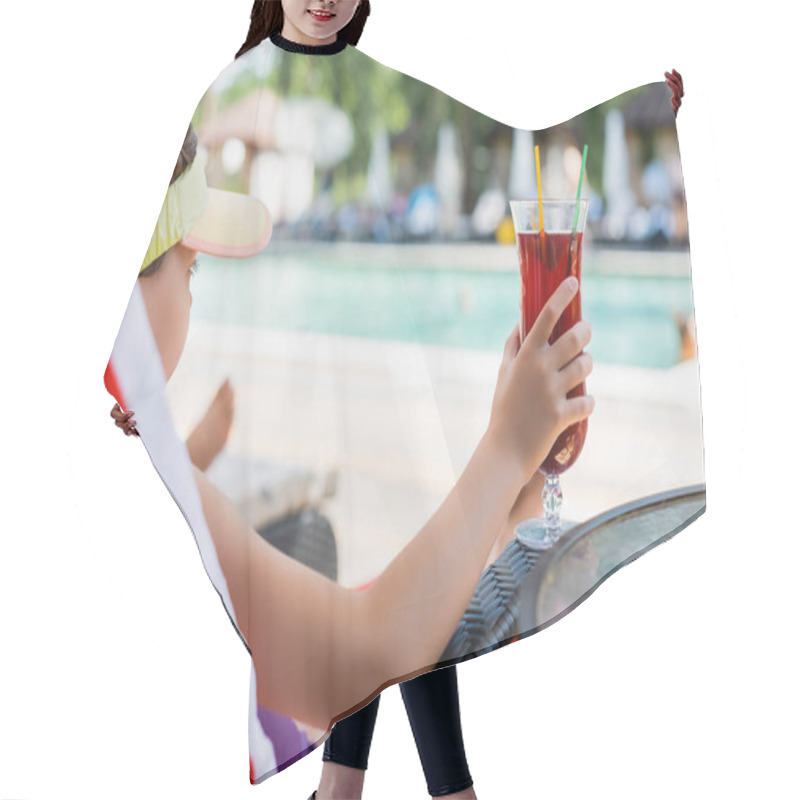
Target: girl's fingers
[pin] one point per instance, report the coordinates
(578, 408)
(677, 92)
(576, 371)
(120, 416)
(127, 425)
(553, 309)
(124, 420)
(512, 345)
(674, 79)
(570, 344)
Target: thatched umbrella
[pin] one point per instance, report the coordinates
(236, 122)
(380, 188)
(522, 174)
(294, 135)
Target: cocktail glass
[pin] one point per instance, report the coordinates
(545, 260)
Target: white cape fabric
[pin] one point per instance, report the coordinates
(363, 343)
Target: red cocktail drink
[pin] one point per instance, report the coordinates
(544, 263)
(549, 245)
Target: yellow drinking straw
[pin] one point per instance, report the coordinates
(539, 189)
(542, 248)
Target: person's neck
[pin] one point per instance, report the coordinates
(331, 46)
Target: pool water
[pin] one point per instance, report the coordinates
(631, 316)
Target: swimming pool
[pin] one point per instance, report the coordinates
(632, 316)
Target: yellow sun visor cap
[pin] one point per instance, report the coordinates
(220, 223)
(232, 226)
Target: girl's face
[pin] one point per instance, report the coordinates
(168, 299)
(316, 22)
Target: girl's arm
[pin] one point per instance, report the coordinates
(319, 649)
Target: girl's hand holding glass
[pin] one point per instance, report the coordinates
(530, 406)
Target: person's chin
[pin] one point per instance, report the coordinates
(317, 34)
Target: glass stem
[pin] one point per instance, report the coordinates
(551, 502)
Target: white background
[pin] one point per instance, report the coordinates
(120, 675)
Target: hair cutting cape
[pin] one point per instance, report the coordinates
(362, 344)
